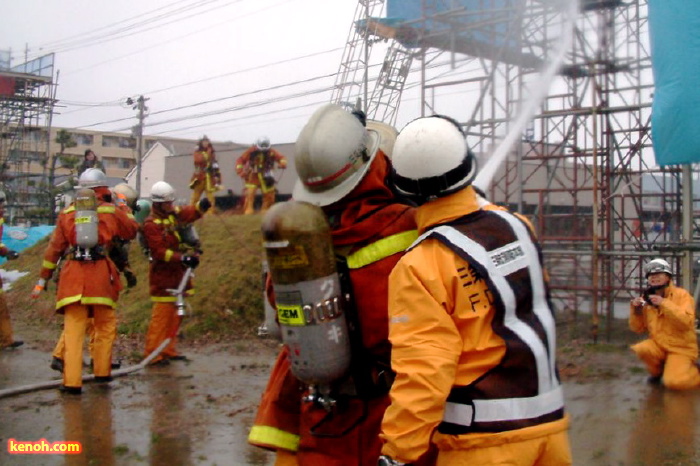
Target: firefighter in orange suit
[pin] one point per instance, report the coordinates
(6, 338)
(255, 167)
(170, 257)
(89, 282)
(207, 176)
(370, 228)
(667, 313)
(470, 321)
(124, 197)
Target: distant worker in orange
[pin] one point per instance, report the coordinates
(170, 257)
(255, 166)
(207, 176)
(88, 284)
(6, 339)
(667, 313)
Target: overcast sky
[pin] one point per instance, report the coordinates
(189, 58)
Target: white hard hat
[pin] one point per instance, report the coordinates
(92, 178)
(162, 192)
(657, 266)
(127, 191)
(387, 136)
(263, 143)
(431, 159)
(332, 154)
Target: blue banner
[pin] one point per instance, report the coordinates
(674, 29)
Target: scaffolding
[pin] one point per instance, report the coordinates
(583, 170)
(27, 98)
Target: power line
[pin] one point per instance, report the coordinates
(127, 30)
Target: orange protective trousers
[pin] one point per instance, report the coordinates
(678, 371)
(60, 350)
(549, 450)
(5, 324)
(268, 198)
(75, 321)
(164, 324)
(197, 190)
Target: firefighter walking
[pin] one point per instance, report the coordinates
(207, 175)
(255, 167)
(170, 257)
(89, 283)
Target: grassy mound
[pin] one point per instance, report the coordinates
(227, 302)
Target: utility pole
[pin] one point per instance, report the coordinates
(140, 105)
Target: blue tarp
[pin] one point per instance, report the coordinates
(490, 23)
(19, 238)
(674, 29)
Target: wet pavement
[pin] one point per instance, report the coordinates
(196, 412)
(199, 412)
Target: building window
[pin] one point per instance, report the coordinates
(83, 139)
(118, 141)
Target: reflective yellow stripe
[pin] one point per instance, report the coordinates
(272, 437)
(168, 255)
(85, 300)
(170, 299)
(48, 265)
(163, 299)
(382, 248)
(103, 209)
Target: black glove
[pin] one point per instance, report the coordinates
(12, 255)
(204, 204)
(190, 261)
(131, 280)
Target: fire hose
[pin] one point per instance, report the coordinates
(180, 303)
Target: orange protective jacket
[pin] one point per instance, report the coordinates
(166, 249)
(441, 332)
(204, 169)
(371, 228)
(254, 164)
(672, 324)
(88, 282)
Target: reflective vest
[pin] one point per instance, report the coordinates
(524, 389)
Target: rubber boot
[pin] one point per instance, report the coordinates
(249, 204)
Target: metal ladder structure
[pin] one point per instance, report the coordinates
(379, 96)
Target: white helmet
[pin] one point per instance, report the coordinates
(431, 159)
(657, 266)
(129, 193)
(332, 154)
(92, 178)
(263, 143)
(162, 192)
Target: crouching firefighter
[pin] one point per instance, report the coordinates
(329, 265)
(89, 282)
(170, 257)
